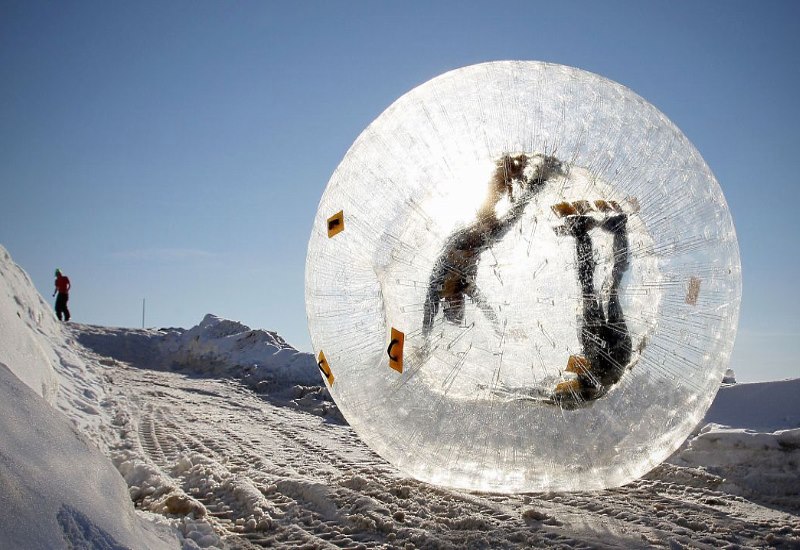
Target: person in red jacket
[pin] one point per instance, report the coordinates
(62, 288)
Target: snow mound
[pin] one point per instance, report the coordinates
(221, 347)
(764, 466)
(751, 439)
(216, 347)
(59, 491)
(26, 326)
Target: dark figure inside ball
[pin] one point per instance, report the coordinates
(603, 333)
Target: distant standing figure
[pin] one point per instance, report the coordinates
(62, 288)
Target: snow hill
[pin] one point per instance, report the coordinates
(58, 486)
(28, 330)
(215, 348)
(57, 490)
(208, 432)
(221, 349)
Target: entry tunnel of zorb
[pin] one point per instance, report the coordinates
(523, 277)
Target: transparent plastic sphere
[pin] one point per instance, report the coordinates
(523, 277)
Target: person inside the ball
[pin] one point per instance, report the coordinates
(517, 177)
(603, 334)
(605, 341)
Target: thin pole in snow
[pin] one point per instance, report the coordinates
(142, 312)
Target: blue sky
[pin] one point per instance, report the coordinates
(177, 151)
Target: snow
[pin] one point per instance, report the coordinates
(751, 438)
(221, 436)
(216, 347)
(57, 489)
(25, 321)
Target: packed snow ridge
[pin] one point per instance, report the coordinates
(215, 348)
(223, 349)
(57, 489)
(221, 436)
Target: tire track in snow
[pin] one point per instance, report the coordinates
(237, 453)
(317, 485)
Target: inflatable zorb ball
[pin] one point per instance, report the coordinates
(523, 277)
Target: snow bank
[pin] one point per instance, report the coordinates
(751, 438)
(57, 490)
(221, 347)
(217, 347)
(26, 325)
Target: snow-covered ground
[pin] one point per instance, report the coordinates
(57, 488)
(223, 436)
